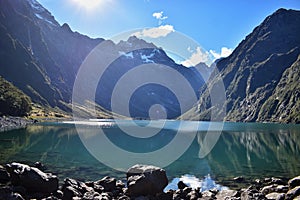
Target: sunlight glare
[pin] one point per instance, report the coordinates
(88, 5)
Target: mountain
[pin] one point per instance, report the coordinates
(13, 102)
(42, 58)
(37, 54)
(261, 76)
(131, 55)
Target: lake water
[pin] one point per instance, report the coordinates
(252, 150)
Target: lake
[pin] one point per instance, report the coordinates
(251, 150)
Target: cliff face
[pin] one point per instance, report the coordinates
(37, 54)
(261, 75)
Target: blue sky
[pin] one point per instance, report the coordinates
(213, 24)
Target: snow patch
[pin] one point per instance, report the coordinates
(146, 59)
(42, 18)
(36, 6)
(127, 55)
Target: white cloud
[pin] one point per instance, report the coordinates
(160, 16)
(225, 52)
(196, 57)
(156, 32)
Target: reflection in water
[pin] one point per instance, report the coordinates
(254, 150)
(257, 150)
(206, 184)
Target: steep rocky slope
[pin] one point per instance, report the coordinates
(37, 54)
(261, 75)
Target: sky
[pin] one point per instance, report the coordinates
(217, 26)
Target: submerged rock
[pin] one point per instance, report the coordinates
(143, 180)
(31, 178)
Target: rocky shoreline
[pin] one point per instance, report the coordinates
(9, 123)
(19, 181)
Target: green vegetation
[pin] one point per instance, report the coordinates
(12, 100)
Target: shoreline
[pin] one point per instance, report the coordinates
(8, 123)
(144, 182)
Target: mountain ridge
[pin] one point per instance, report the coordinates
(254, 69)
(48, 55)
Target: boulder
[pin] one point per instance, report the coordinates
(294, 182)
(274, 188)
(291, 194)
(226, 194)
(143, 180)
(31, 178)
(275, 196)
(108, 183)
(73, 188)
(181, 185)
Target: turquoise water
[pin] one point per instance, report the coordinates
(253, 150)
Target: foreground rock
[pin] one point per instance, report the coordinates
(144, 182)
(31, 178)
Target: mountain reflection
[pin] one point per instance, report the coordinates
(251, 150)
(263, 152)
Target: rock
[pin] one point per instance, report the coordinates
(143, 180)
(238, 179)
(275, 196)
(98, 188)
(181, 185)
(274, 188)
(294, 182)
(282, 188)
(208, 194)
(123, 197)
(165, 196)
(109, 184)
(4, 176)
(70, 192)
(226, 194)
(6, 193)
(120, 184)
(291, 194)
(73, 188)
(252, 194)
(297, 198)
(19, 189)
(78, 185)
(105, 196)
(193, 195)
(39, 165)
(31, 178)
(90, 195)
(277, 181)
(58, 194)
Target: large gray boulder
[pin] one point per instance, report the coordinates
(143, 180)
(31, 178)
